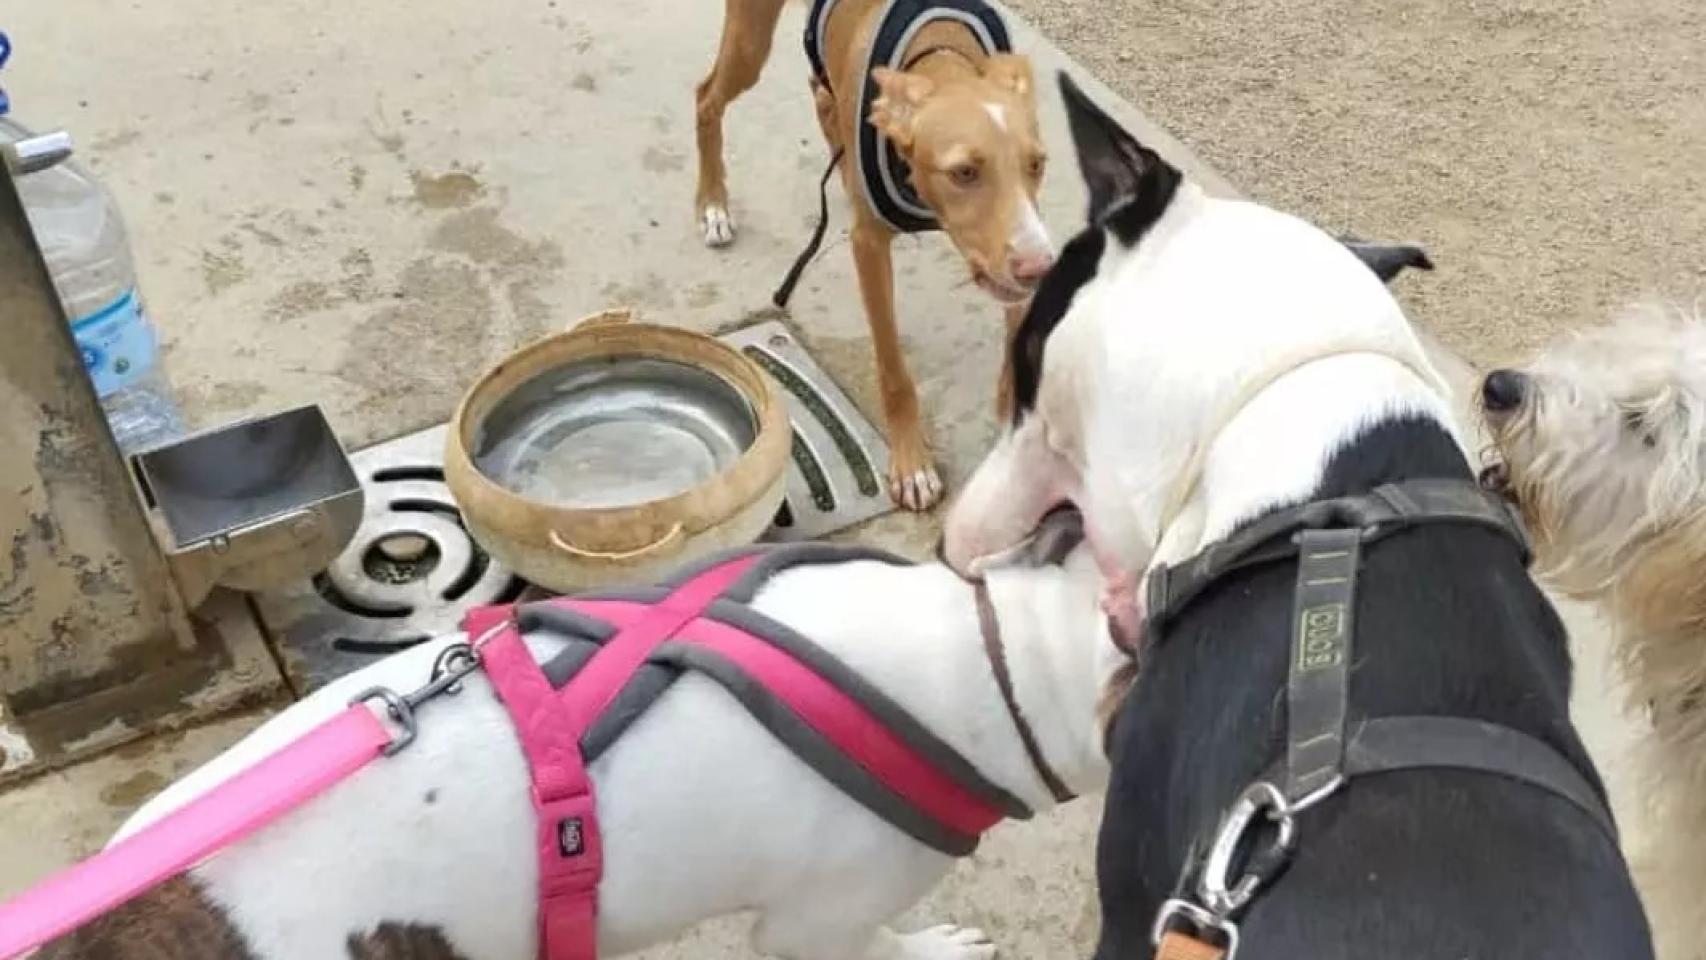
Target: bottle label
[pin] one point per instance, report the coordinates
(118, 344)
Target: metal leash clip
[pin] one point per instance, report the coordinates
(1211, 920)
(453, 664)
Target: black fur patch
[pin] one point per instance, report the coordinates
(1075, 267)
(1407, 864)
(1130, 188)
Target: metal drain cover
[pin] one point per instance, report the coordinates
(411, 571)
(840, 461)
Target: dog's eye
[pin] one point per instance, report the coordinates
(1034, 168)
(964, 175)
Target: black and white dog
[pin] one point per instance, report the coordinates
(1191, 366)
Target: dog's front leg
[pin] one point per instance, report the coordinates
(913, 480)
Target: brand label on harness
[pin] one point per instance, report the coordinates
(570, 841)
(1321, 641)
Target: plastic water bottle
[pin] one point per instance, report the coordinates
(83, 239)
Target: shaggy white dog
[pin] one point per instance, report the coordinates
(1602, 442)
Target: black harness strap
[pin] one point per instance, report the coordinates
(1317, 689)
(1386, 510)
(1321, 755)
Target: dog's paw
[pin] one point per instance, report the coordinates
(718, 226)
(913, 480)
(947, 942)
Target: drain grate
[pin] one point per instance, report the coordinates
(411, 571)
(839, 458)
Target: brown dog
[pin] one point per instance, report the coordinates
(937, 129)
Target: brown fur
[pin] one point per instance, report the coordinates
(402, 941)
(174, 921)
(968, 170)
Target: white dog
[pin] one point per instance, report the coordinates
(1602, 442)
(1195, 371)
(430, 854)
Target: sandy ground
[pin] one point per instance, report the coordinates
(1546, 151)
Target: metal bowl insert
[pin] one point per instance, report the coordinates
(613, 432)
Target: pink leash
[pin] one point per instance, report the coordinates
(229, 812)
(550, 722)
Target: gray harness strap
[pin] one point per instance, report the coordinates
(584, 634)
(1321, 754)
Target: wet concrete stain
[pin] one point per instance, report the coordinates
(516, 264)
(357, 177)
(229, 396)
(221, 271)
(704, 295)
(585, 82)
(412, 359)
(647, 290)
(116, 141)
(129, 793)
(164, 198)
(662, 160)
(446, 191)
(300, 299)
(266, 237)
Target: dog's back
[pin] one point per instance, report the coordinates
(1415, 863)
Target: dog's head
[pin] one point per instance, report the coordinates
(977, 160)
(1154, 318)
(1602, 443)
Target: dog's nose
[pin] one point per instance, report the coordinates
(1503, 390)
(1029, 268)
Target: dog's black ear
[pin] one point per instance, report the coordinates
(1387, 260)
(1117, 169)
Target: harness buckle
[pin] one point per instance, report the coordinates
(1215, 887)
(1178, 916)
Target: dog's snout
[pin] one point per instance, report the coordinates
(1503, 390)
(1029, 268)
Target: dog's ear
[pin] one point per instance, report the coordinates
(1387, 260)
(1011, 71)
(1112, 162)
(899, 95)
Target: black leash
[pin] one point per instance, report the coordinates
(786, 290)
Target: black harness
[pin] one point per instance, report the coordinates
(1323, 750)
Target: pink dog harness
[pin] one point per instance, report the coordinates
(620, 651)
(833, 721)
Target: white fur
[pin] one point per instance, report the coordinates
(1606, 454)
(1030, 236)
(998, 113)
(1139, 375)
(702, 811)
(717, 226)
